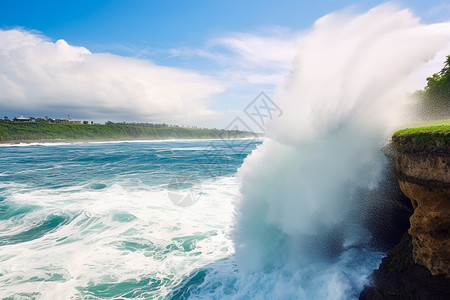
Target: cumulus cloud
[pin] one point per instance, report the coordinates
(41, 76)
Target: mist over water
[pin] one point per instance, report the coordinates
(301, 206)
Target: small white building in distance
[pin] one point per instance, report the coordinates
(23, 119)
(67, 121)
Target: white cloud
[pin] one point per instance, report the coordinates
(42, 76)
(250, 58)
(253, 51)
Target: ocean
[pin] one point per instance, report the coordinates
(105, 221)
(144, 220)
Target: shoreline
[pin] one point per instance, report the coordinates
(68, 142)
(16, 142)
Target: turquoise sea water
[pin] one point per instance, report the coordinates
(153, 220)
(100, 220)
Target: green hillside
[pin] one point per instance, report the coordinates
(14, 131)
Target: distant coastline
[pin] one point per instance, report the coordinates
(32, 141)
(43, 132)
(61, 141)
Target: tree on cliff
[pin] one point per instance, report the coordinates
(434, 100)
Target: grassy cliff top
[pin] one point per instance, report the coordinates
(427, 137)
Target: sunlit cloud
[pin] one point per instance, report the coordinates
(46, 77)
(250, 58)
(252, 51)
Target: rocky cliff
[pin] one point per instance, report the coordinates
(425, 179)
(419, 267)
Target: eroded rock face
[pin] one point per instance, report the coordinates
(419, 267)
(430, 226)
(429, 169)
(425, 179)
(400, 278)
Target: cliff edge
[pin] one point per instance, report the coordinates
(419, 267)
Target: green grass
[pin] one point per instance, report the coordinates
(12, 131)
(426, 137)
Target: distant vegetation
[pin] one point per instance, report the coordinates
(434, 103)
(424, 138)
(15, 131)
(434, 100)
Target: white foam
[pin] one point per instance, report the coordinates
(89, 249)
(193, 149)
(344, 98)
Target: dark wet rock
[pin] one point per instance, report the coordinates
(399, 277)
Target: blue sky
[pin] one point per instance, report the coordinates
(149, 28)
(209, 38)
